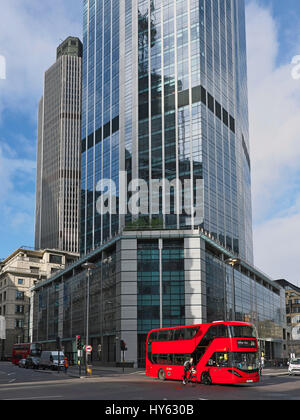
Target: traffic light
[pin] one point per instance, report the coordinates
(123, 345)
(78, 342)
(58, 343)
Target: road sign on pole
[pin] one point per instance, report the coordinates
(2, 328)
(88, 349)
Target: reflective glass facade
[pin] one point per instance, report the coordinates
(246, 297)
(166, 306)
(165, 97)
(100, 121)
(60, 309)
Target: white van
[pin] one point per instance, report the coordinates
(49, 359)
(294, 366)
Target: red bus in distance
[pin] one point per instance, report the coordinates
(223, 352)
(21, 351)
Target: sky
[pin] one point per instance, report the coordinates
(31, 30)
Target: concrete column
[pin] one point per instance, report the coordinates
(195, 289)
(127, 298)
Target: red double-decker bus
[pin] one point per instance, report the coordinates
(21, 351)
(223, 352)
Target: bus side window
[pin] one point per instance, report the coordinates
(162, 359)
(170, 335)
(153, 336)
(222, 331)
(154, 359)
(178, 359)
(162, 336)
(190, 333)
(179, 334)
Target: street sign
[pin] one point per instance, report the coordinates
(89, 349)
(2, 328)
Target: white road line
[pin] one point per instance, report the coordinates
(35, 398)
(137, 373)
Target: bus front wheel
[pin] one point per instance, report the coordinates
(161, 375)
(206, 379)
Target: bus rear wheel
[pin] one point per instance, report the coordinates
(206, 379)
(161, 375)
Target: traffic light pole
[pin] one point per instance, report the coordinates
(123, 349)
(79, 352)
(58, 347)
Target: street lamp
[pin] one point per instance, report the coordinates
(89, 267)
(232, 262)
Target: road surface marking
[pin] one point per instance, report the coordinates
(35, 398)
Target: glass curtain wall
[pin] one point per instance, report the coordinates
(100, 121)
(185, 115)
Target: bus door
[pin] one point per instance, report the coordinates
(217, 365)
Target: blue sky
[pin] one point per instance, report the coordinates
(287, 17)
(273, 32)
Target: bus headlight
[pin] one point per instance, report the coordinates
(233, 372)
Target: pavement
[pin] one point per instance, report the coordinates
(99, 371)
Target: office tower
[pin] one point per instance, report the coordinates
(165, 97)
(58, 152)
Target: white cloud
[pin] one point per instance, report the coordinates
(17, 202)
(274, 106)
(277, 246)
(30, 31)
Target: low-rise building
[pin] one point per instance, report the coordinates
(143, 280)
(292, 299)
(19, 273)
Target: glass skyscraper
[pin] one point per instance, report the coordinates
(165, 97)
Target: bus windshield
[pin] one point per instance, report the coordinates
(244, 331)
(244, 361)
(35, 350)
(241, 361)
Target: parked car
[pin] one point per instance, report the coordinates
(22, 363)
(294, 366)
(32, 362)
(50, 359)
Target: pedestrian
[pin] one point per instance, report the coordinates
(188, 367)
(262, 364)
(66, 365)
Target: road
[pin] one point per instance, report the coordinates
(21, 384)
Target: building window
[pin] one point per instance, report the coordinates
(55, 259)
(19, 323)
(19, 295)
(19, 309)
(20, 282)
